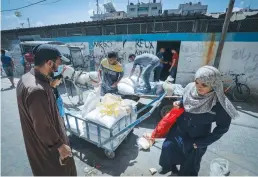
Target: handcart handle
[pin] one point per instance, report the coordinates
(161, 97)
(142, 118)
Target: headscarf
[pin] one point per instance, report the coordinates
(195, 103)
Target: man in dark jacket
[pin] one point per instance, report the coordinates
(43, 129)
(8, 66)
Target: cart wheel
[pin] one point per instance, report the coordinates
(110, 154)
(165, 109)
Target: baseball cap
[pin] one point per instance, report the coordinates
(45, 52)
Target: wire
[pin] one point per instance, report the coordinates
(23, 6)
(51, 2)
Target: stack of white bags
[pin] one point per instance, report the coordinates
(128, 85)
(110, 111)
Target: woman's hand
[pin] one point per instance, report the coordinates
(147, 136)
(195, 146)
(176, 104)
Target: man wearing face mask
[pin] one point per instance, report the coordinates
(110, 73)
(43, 129)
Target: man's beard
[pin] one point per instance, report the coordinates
(54, 68)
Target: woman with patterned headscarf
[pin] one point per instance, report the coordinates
(204, 103)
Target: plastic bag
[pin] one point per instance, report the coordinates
(139, 83)
(127, 102)
(125, 89)
(91, 102)
(219, 167)
(111, 105)
(172, 89)
(166, 123)
(143, 143)
(105, 120)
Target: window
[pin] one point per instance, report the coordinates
(143, 9)
(132, 9)
(154, 8)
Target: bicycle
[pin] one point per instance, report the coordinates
(240, 92)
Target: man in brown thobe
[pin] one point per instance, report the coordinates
(43, 128)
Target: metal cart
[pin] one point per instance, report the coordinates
(109, 138)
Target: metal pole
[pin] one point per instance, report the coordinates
(28, 22)
(224, 33)
(97, 3)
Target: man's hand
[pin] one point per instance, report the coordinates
(169, 69)
(65, 151)
(176, 104)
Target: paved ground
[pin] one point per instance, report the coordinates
(237, 146)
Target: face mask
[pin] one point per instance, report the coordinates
(53, 69)
(60, 68)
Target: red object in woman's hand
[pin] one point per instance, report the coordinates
(167, 122)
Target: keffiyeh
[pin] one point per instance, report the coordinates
(195, 103)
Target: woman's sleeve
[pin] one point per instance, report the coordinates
(223, 121)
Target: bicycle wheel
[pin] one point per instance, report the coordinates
(165, 109)
(241, 92)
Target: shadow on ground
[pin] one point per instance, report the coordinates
(95, 157)
(247, 108)
(6, 89)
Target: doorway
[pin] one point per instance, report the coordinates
(168, 46)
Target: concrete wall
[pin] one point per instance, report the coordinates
(240, 54)
(241, 57)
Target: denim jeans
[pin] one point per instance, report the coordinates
(158, 71)
(173, 73)
(146, 74)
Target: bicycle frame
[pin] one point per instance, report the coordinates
(235, 80)
(231, 85)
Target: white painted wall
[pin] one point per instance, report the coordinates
(241, 57)
(192, 56)
(124, 49)
(237, 57)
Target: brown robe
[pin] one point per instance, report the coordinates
(42, 126)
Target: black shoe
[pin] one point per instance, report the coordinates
(174, 174)
(163, 171)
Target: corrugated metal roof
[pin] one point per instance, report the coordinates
(121, 21)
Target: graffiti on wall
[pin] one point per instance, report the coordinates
(249, 60)
(123, 48)
(191, 54)
(241, 57)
